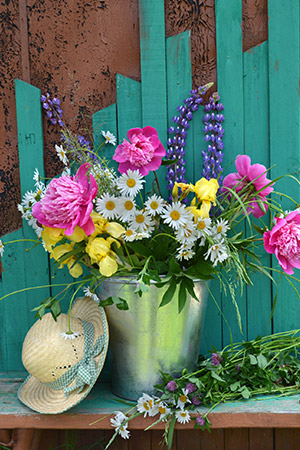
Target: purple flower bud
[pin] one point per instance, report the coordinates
(196, 400)
(56, 101)
(200, 421)
(238, 367)
(171, 130)
(49, 114)
(53, 121)
(45, 105)
(43, 98)
(216, 359)
(191, 387)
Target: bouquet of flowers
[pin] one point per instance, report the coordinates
(91, 216)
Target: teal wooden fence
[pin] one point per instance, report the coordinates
(260, 92)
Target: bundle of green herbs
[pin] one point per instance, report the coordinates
(265, 365)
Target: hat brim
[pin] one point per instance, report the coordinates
(38, 396)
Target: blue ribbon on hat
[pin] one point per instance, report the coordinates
(86, 370)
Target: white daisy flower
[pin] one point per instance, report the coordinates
(130, 183)
(69, 336)
(40, 190)
(21, 208)
(126, 208)
(220, 228)
(141, 222)
(187, 234)
(183, 399)
(131, 235)
(147, 405)
(32, 222)
(109, 137)
(182, 416)
(176, 215)
(36, 176)
(28, 200)
(107, 206)
(164, 411)
(154, 205)
(121, 427)
(1, 248)
(217, 252)
(88, 293)
(61, 153)
(203, 227)
(185, 252)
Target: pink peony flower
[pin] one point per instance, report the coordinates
(143, 153)
(284, 241)
(68, 202)
(253, 176)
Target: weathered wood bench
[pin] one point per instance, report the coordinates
(95, 411)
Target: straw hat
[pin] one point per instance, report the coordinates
(63, 368)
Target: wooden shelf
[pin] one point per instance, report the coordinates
(95, 410)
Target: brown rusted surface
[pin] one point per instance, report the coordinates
(10, 68)
(76, 49)
(199, 17)
(254, 23)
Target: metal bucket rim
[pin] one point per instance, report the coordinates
(132, 279)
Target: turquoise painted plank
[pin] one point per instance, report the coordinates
(256, 123)
(21, 268)
(230, 88)
(105, 120)
(179, 84)
(129, 105)
(284, 26)
(153, 74)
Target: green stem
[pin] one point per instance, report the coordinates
(157, 183)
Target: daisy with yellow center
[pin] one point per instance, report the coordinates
(163, 411)
(154, 205)
(130, 183)
(147, 406)
(1, 248)
(109, 137)
(182, 416)
(220, 229)
(185, 252)
(141, 221)
(183, 399)
(217, 253)
(107, 206)
(203, 226)
(187, 234)
(61, 154)
(176, 215)
(126, 208)
(119, 422)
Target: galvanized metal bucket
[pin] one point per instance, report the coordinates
(147, 339)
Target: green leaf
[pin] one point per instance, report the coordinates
(189, 284)
(217, 377)
(169, 294)
(107, 302)
(171, 432)
(55, 309)
(235, 386)
(120, 303)
(174, 266)
(181, 297)
(168, 162)
(261, 361)
(245, 392)
(139, 248)
(253, 360)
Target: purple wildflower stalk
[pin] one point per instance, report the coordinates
(214, 133)
(176, 151)
(52, 108)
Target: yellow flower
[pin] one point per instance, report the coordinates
(51, 236)
(75, 269)
(78, 235)
(114, 229)
(206, 190)
(99, 250)
(102, 225)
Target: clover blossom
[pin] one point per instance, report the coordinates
(214, 133)
(176, 144)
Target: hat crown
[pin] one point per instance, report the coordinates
(47, 354)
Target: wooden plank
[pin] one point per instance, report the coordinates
(157, 441)
(261, 439)
(212, 440)
(188, 439)
(129, 105)
(236, 439)
(105, 120)
(179, 84)
(21, 268)
(140, 439)
(256, 124)
(153, 73)
(230, 87)
(287, 439)
(284, 47)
